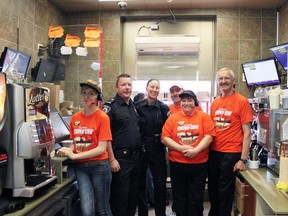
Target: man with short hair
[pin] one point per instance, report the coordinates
(124, 151)
(232, 116)
(175, 91)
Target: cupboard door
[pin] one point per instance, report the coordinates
(249, 200)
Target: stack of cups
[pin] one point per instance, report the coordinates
(254, 162)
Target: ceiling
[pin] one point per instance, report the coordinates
(90, 5)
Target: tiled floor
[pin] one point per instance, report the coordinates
(168, 210)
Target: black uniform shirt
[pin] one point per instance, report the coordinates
(152, 117)
(124, 124)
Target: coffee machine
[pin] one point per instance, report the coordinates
(278, 137)
(28, 138)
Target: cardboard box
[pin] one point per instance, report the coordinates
(54, 93)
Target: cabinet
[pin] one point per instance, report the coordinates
(245, 198)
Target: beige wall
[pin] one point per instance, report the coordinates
(241, 35)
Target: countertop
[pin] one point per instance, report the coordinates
(31, 203)
(264, 181)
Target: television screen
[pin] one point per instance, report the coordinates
(60, 129)
(261, 72)
(15, 61)
(280, 53)
(43, 71)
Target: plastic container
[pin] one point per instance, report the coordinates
(274, 101)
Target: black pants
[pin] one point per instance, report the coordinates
(125, 185)
(221, 182)
(188, 185)
(154, 157)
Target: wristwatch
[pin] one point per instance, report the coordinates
(243, 160)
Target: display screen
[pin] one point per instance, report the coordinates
(15, 61)
(262, 72)
(280, 53)
(67, 120)
(60, 129)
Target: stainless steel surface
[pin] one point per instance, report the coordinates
(278, 137)
(90, 5)
(264, 178)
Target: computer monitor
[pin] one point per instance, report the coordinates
(16, 61)
(60, 129)
(59, 72)
(280, 53)
(262, 72)
(43, 71)
(67, 120)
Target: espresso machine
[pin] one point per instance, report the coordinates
(28, 138)
(278, 137)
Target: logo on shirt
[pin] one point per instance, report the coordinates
(106, 109)
(187, 136)
(222, 119)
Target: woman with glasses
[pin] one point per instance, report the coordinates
(90, 131)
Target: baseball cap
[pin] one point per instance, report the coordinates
(91, 84)
(176, 85)
(187, 92)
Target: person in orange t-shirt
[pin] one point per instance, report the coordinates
(175, 91)
(232, 117)
(90, 131)
(188, 134)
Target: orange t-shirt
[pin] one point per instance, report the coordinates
(87, 131)
(188, 130)
(175, 109)
(229, 114)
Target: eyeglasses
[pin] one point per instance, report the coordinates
(88, 94)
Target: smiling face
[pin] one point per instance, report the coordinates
(188, 105)
(225, 81)
(89, 96)
(153, 89)
(124, 88)
(175, 91)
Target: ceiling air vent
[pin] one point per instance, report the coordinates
(167, 44)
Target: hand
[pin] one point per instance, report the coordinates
(65, 151)
(191, 153)
(115, 166)
(239, 166)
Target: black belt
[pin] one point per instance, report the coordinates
(91, 163)
(124, 152)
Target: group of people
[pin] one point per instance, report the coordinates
(134, 136)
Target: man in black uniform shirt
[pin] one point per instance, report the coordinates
(124, 151)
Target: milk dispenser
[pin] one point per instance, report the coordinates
(28, 139)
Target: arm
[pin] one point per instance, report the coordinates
(115, 166)
(205, 142)
(171, 144)
(245, 146)
(95, 152)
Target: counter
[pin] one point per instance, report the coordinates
(37, 204)
(264, 181)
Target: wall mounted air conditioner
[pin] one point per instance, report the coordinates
(167, 44)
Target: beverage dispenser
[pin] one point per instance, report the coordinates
(28, 139)
(278, 137)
